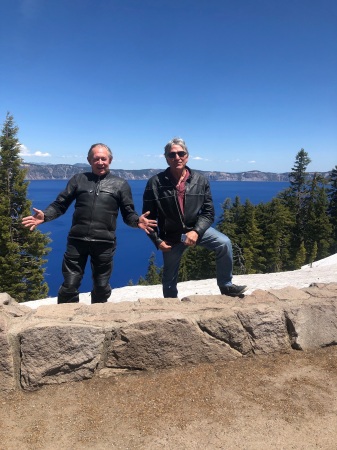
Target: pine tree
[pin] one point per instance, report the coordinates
(276, 222)
(298, 174)
(251, 240)
(332, 208)
(300, 256)
(21, 251)
(317, 229)
(296, 199)
(313, 254)
(153, 274)
(197, 263)
(142, 282)
(230, 222)
(185, 268)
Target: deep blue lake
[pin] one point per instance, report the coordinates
(134, 248)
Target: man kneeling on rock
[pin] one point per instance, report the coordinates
(181, 200)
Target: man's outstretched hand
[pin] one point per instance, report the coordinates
(33, 221)
(145, 224)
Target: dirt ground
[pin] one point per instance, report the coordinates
(265, 402)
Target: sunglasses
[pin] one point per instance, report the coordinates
(172, 155)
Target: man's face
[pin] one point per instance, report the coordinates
(100, 160)
(175, 161)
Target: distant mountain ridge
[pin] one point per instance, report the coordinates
(66, 171)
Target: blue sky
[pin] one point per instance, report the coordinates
(246, 83)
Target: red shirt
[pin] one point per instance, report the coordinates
(180, 188)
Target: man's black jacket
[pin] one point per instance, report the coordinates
(160, 198)
(97, 202)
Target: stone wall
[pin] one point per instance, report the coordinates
(63, 343)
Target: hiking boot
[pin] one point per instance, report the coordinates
(233, 290)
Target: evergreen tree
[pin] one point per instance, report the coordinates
(298, 175)
(300, 256)
(185, 268)
(153, 274)
(317, 229)
(275, 222)
(250, 239)
(197, 263)
(332, 207)
(21, 251)
(313, 254)
(295, 198)
(142, 282)
(230, 223)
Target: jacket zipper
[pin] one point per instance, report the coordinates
(98, 186)
(96, 193)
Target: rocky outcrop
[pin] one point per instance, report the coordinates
(63, 343)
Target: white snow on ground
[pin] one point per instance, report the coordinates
(323, 271)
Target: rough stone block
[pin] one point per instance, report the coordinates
(7, 380)
(59, 353)
(6, 299)
(313, 325)
(266, 327)
(160, 344)
(290, 293)
(228, 329)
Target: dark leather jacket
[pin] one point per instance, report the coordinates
(97, 202)
(160, 198)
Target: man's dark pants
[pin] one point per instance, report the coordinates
(73, 266)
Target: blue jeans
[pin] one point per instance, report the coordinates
(212, 240)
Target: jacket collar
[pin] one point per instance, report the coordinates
(167, 173)
(98, 177)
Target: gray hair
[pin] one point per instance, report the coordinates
(175, 141)
(99, 144)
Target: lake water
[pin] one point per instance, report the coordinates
(134, 248)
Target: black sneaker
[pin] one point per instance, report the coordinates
(233, 291)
